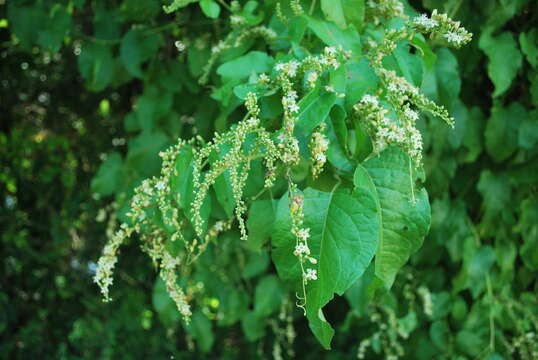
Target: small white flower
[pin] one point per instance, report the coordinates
(160, 185)
(294, 108)
(303, 234)
(312, 78)
(321, 157)
(453, 37)
(329, 88)
(253, 122)
(301, 249)
(411, 114)
(425, 21)
(311, 274)
(369, 99)
(263, 78)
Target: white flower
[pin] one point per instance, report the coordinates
(321, 157)
(279, 67)
(369, 99)
(454, 37)
(329, 88)
(303, 234)
(301, 249)
(263, 78)
(160, 185)
(393, 87)
(425, 21)
(253, 122)
(311, 274)
(330, 50)
(294, 108)
(312, 78)
(411, 114)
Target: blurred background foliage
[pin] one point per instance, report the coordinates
(91, 91)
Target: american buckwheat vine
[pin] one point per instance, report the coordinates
(389, 116)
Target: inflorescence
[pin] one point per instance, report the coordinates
(390, 118)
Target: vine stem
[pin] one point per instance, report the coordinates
(312, 7)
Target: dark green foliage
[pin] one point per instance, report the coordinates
(92, 91)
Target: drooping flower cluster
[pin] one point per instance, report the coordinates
(235, 158)
(302, 234)
(152, 193)
(287, 74)
(402, 97)
(318, 148)
(441, 25)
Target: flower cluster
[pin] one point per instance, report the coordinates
(288, 72)
(378, 9)
(235, 158)
(318, 148)
(441, 25)
(302, 234)
(152, 193)
(385, 132)
(106, 263)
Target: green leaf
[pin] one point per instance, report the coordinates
(201, 329)
(440, 334)
(334, 11)
(253, 327)
(163, 303)
(361, 79)
(244, 66)
(268, 296)
(257, 263)
(143, 154)
(25, 22)
(528, 131)
(59, 25)
(529, 45)
(354, 12)
(407, 64)
(403, 224)
(429, 57)
(442, 83)
(96, 66)
(502, 131)
(344, 232)
(137, 47)
(260, 222)
(109, 176)
(501, 71)
(210, 8)
(313, 110)
(331, 35)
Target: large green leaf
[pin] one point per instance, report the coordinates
(403, 224)
(137, 47)
(331, 35)
(500, 69)
(502, 130)
(344, 228)
(96, 65)
(334, 11)
(109, 176)
(242, 67)
(268, 296)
